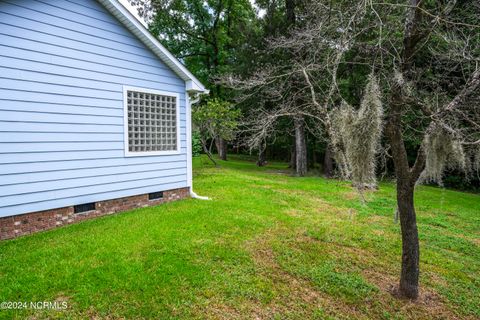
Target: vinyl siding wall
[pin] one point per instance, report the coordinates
(63, 65)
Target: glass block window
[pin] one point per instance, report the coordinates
(152, 122)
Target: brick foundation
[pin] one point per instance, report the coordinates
(19, 225)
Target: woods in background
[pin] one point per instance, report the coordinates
(390, 86)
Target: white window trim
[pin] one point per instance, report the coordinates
(128, 153)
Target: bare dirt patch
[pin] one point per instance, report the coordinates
(429, 304)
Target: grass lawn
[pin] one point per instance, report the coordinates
(269, 246)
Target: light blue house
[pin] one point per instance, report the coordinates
(94, 114)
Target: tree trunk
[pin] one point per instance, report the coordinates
(410, 245)
(224, 150)
(207, 151)
(300, 146)
(221, 148)
(328, 162)
(406, 179)
(293, 158)
(223, 154)
(261, 157)
(262, 154)
(406, 176)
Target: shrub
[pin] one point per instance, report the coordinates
(196, 144)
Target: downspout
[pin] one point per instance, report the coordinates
(189, 147)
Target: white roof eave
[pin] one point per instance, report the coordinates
(192, 84)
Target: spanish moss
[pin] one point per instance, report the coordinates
(359, 135)
(443, 151)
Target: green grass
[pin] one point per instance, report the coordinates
(268, 246)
